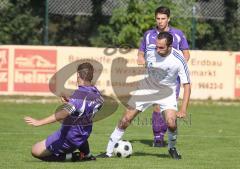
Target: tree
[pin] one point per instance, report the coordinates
(223, 34)
(127, 25)
(22, 22)
(18, 24)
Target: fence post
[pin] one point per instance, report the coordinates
(46, 23)
(193, 26)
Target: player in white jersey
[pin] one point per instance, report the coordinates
(148, 44)
(158, 88)
(162, 75)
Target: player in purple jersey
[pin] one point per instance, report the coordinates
(162, 17)
(76, 115)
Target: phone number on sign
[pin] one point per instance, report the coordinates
(212, 85)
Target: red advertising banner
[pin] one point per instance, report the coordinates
(237, 76)
(4, 59)
(33, 69)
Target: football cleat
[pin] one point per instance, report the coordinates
(78, 156)
(160, 143)
(88, 158)
(174, 154)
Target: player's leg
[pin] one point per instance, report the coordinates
(118, 132)
(172, 127)
(84, 148)
(83, 155)
(171, 120)
(134, 107)
(40, 151)
(127, 117)
(59, 146)
(86, 153)
(159, 126)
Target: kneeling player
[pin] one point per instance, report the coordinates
(76, 116)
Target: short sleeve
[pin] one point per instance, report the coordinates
(183, 72)
(75, 102)
(69, 108)
(183, 45)
(142, 46)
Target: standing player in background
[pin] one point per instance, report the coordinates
(148, 44)
(77, 114)
(168, 64)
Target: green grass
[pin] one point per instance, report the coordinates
(209, 140)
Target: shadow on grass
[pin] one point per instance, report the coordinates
(147, 142)
(150, 154)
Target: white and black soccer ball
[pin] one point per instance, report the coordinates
(123, 149)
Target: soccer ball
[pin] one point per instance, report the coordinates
(123, 149)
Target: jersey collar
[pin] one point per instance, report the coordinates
(156, 30)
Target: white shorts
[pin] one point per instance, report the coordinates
(142, 99)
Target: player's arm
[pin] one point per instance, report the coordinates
(140, 58)
(186, 96)
(184, 47)
(60, 115)
(141, 50)
(186, 54)
(64, 99)
(185, 80)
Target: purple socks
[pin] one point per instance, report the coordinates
(159, 126)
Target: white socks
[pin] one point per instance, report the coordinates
(114, 138)
(69, 156)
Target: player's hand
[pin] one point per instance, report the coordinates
(181, 114)
(141, 61)
(64, 99)
(32, 121)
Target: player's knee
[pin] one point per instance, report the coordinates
(35, 152)
(172, 124)
(156, 108)
(172, 128)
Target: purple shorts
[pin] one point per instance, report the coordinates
(59, 145)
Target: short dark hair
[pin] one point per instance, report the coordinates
(85, 71)
(167, 36)
(162, 10)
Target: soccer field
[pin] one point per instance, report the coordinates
(209, 139)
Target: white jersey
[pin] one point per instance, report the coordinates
(167, 69)
(159, 86)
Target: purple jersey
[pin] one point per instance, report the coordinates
(84, 102)
(149, 40)
(77, 127)
(82, 106)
